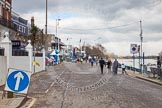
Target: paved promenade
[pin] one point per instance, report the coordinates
(75, 85)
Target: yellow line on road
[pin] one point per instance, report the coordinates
(49, 87)
(32, 102)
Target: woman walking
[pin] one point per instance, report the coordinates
(109, 64)
(115, 67)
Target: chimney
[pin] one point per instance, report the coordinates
(32, 21)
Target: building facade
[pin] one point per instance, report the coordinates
(6, 24)
(5, 10)
(20, 23)
(56, 42)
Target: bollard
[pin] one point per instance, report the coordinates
(145, 69)
(9, 94)
(141, 69)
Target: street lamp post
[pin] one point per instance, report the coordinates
(68, 42)
(141, 38)
(46, 17)
(80, 46)
(57, 24)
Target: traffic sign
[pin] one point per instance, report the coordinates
(134, 48)
(18, 81)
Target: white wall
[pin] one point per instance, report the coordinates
(19, 62)
(40, 60)
(3, 69)
(23, 63)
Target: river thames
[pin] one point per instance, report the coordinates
(148, 62)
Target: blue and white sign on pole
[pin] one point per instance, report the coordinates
(134, 48)
(18, 81)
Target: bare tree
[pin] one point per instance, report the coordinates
(97, 50)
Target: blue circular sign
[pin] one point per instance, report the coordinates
(18, 81)
(133, 49)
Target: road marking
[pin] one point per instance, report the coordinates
(31, 103)
(54, 82)
(64, 95)
(53, 93)
(65, 92)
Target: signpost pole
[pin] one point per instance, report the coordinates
(143, 57)
(134, 50)
(134, 63)
(9, 93)
(141, 38)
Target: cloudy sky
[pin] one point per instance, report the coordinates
(113, 23)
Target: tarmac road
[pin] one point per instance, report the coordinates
(75, 85)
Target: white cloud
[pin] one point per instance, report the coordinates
(123, 48)
(78, 14)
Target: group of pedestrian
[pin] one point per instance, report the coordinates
(109, 64)
(93, 60)
(80, 60)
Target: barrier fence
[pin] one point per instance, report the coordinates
(19, 53)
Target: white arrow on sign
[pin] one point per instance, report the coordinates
(18, 76)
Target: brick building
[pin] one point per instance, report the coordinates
(6, 25)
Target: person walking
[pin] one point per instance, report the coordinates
(81, 60)
(115, 66)
(96, 61)
(123, 69)
(102, 63)
(109, 64)
(158, 62)
(91, 61)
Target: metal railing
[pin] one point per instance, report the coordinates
(38, 54)
(20, 53)
(8, 23)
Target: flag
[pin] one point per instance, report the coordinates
(36, 63)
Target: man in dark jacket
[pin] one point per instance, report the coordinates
(102, 63)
